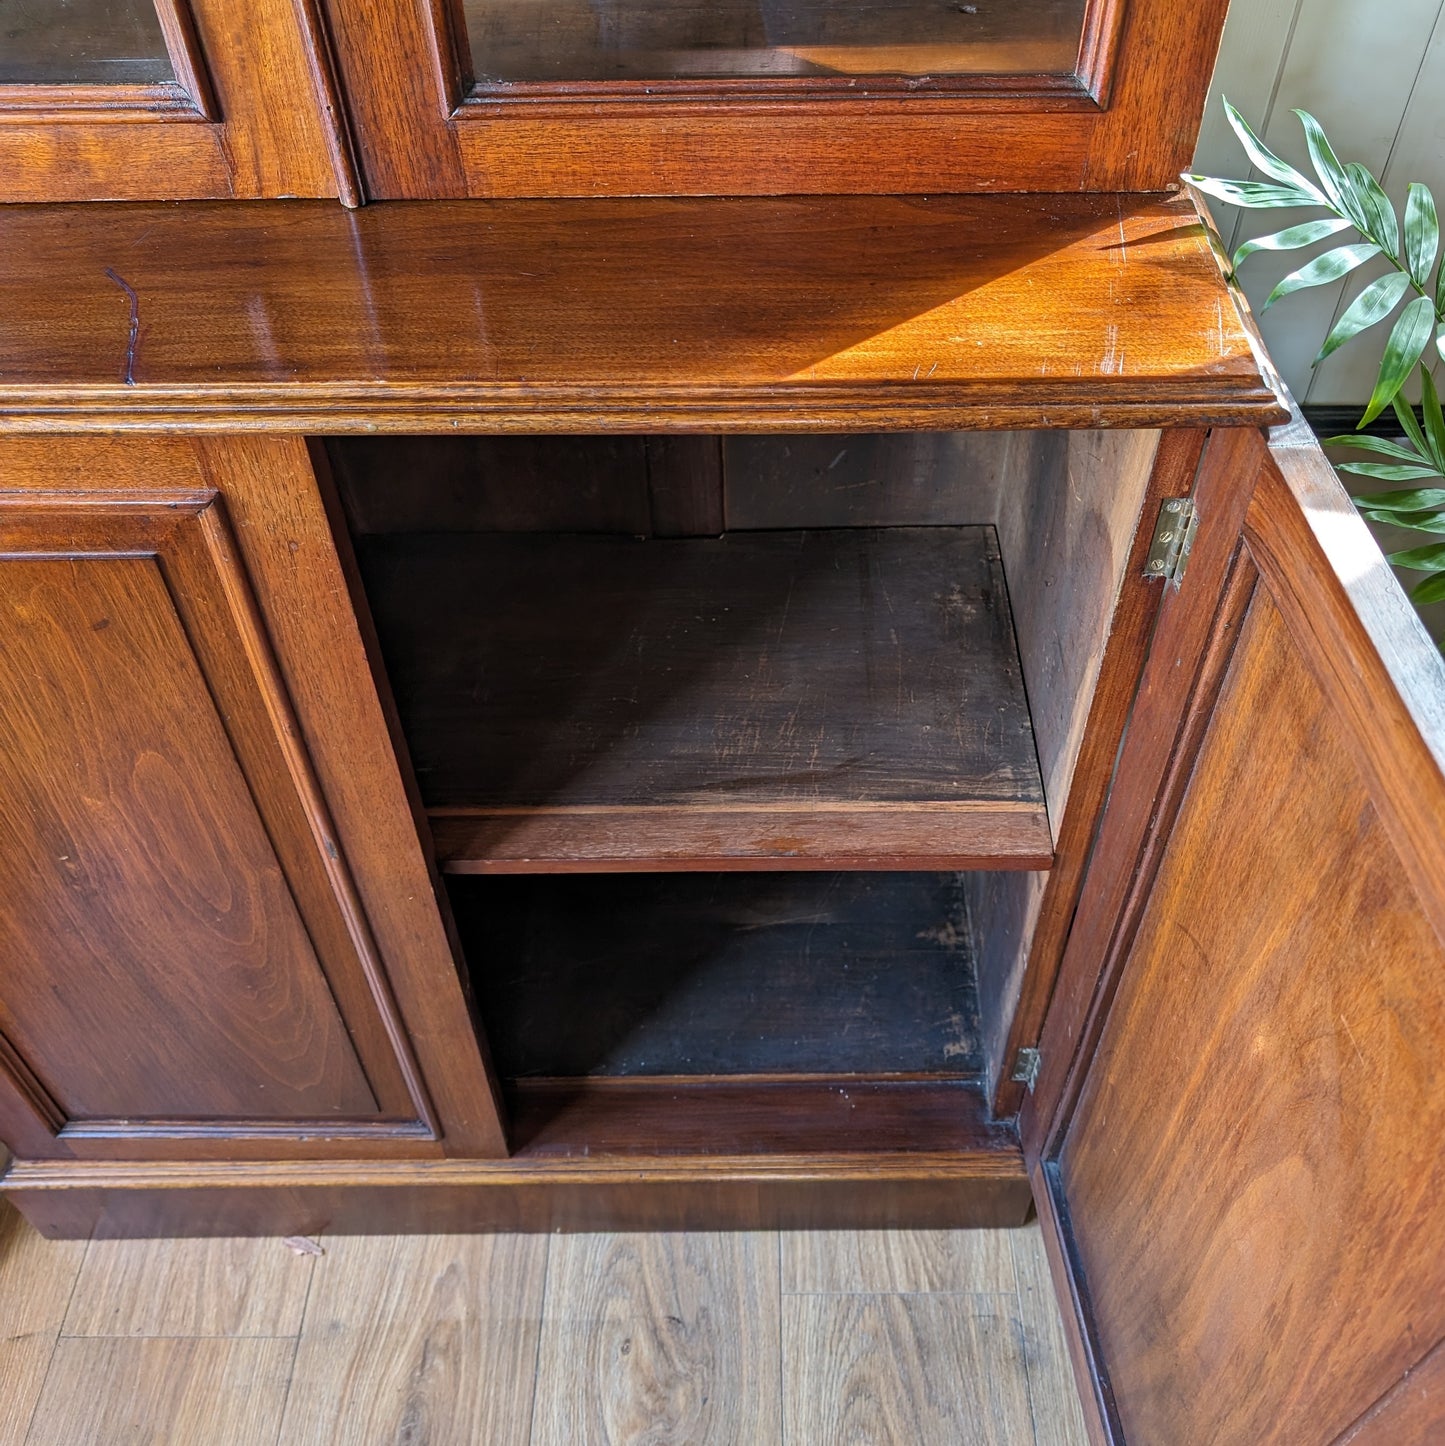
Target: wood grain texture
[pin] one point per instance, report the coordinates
(273, 137)
(1194, 624)
(36, 1282)
(1412, 1410)
(1294, 1196)
(435, 1339)
(1053, 1398)
(136, 852)
(1023, 923)
(429, 1338)
(605, 316)
(716, 1118)
(713, 136)
(133, 1392)
(936, 1370)
(980, 1183)
(288, 531)
(189, 1288)
(1289, 1107)
(897, 1262)
(311, 655)
(829, 696)
(641, 1340)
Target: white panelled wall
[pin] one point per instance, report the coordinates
(1373, 72)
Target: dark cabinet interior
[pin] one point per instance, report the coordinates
(742, 757)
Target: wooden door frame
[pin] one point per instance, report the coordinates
(254, 110)
(1124, 120)
(1273, 516)
(286, 581)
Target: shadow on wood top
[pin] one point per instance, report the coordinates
(762, 314)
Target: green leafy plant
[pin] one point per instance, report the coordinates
(1353, 200)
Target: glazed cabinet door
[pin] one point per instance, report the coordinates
(1237, 1131)
(167, 99)
(772, 97)
(186, 962)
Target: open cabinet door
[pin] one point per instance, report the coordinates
(1237, 1138)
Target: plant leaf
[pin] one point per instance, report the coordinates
(1430, 591)
(1417, 499)
(1324, 269)
(1255, 194)
(1265, 159)
(1372, 305)
(1405, 347)
(1378, 208)
(1389, 471)
(1415, 521)
(1292, 237)
(1406, 416)
(1440, 331)
(1420, 559)
(1434, 419)
(1337, 184)
(1374, 444)
(1422, 233)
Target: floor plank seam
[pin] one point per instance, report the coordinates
(1021, 1321)
(782, 1368)
(541, 1329)
(300, 1332)
(55, 1342)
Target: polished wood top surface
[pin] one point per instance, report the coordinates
(759, 314)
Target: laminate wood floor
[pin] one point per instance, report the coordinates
(835, 1339)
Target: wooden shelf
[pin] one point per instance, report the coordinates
(764, 314)
(697, 975)
(824, 699)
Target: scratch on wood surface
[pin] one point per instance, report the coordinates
(1113, 361)
(128, 375)
(1359, 1054)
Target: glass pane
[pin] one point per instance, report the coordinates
(52, 42)
(561, 40)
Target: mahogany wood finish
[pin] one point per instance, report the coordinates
(253, 110)
(838, 698)
(594, 316)
(1122, 116)
(1076, 555)
(986, 1187)
(1243, 1171)
(308, 750)
(183, 945)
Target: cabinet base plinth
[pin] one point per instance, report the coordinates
(78, 1200)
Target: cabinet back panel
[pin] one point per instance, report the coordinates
(155, 962)
(722, 974)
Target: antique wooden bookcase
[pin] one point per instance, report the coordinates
(584, 709)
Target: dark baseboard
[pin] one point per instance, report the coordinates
(1329, 421)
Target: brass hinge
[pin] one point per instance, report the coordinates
(1173, 540)
(1026, 1067)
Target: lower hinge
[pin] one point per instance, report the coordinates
(1026, 1068)
(1173, 540)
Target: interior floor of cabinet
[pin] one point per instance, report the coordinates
(773, 974)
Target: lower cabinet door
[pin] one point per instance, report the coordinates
(182, 950)
(1236, 1136)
